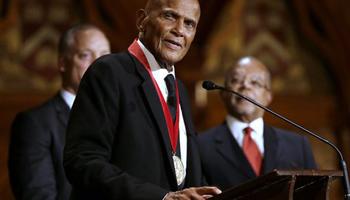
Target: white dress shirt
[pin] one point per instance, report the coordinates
(236, 127)
(67, 97)
(159, 74)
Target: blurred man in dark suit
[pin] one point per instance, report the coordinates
(130, 134)
(244, 147)
(38, 135)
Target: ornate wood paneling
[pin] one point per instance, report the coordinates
(29, 30)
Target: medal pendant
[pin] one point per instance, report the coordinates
(179, 170)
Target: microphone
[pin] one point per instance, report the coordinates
(209, 85)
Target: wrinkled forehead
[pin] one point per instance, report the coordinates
(188, 8)
(249, 68)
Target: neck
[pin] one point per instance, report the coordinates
(165, 65)
(244, 118)
(69, 89)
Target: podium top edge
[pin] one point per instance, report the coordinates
(311, 172)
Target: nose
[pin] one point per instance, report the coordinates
(179, 28)
(244, 83)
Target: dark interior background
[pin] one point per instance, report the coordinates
(305, 44)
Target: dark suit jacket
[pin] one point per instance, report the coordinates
(225, 165)
(117, 143)
(36, 152)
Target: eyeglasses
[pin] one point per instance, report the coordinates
(255, 82)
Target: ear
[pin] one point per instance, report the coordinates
(140, 21)
(223, 95)
(61, 64)
(269, 98)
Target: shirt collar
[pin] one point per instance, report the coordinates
(68, 97)
(237, 126)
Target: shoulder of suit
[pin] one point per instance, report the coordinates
(112, 57)
(42, 111)
(286, 133)
(212, 131)
(112, 63)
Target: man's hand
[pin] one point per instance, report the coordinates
(194, 193)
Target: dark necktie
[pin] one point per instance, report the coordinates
(171, 101)
(172, 104)
(251, 151)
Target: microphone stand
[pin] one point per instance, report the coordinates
(208, 85)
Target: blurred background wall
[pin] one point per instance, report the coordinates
(304, 43)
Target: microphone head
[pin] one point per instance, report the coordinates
(209, 85)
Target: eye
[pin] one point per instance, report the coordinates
(84, 55)
(169, 15)
(190, 24)
(235, 80)
(255, 83)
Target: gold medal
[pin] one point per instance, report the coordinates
(179, 170)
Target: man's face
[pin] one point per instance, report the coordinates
(250, 78)
(168, 28)
(86, 47)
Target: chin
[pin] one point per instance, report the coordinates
(171, 60)
(246, 110)
(172, 57)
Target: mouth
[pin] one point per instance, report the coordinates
(239, 99)
(173, 44)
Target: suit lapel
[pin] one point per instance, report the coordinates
(185, 109)
(228, 147)
(152, 100)
(62, 110)
(271, 147)
(59, 119)
(190, 131)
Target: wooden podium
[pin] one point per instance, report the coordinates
(284, 185)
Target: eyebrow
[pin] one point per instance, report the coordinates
(171, 10)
